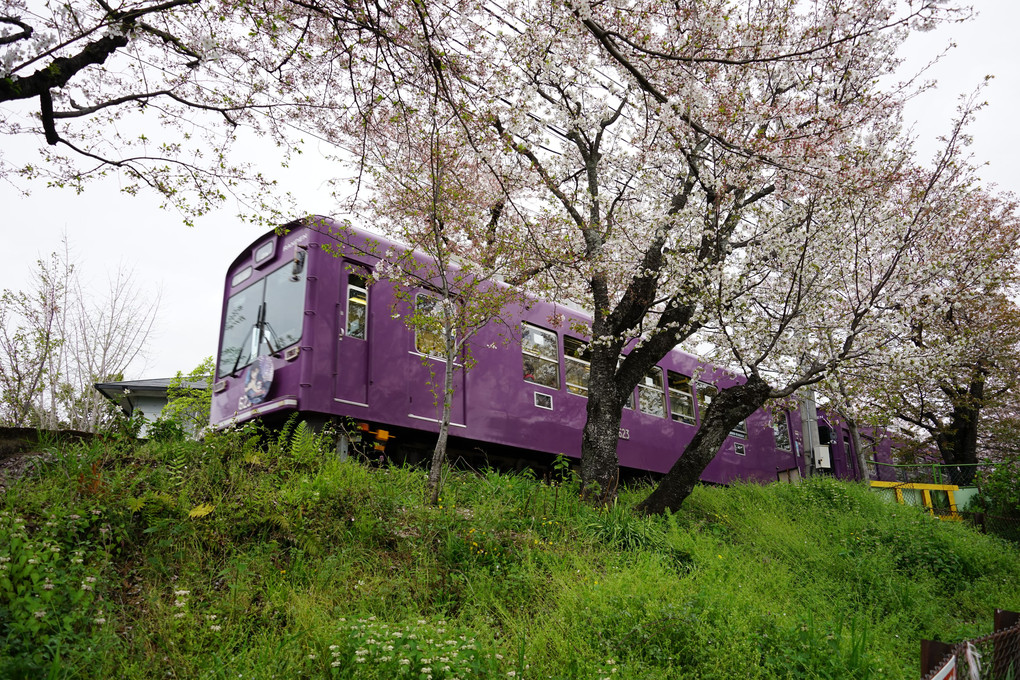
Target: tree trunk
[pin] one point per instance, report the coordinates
(855, 440)
(600, 467)
(439, 453)
(438, 458)
(730, 407)
(958, 442)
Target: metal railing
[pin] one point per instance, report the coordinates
(998, 525)
(925, 473)
(991, 657)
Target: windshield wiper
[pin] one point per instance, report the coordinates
(264, 325)
(247, 335)
(266, 332)
(240, 353)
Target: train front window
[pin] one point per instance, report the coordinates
(242, 312)
(577, 364)
(284, 309)
(541, 356)
(264, 318)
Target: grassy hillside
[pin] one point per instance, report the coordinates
(238, 558)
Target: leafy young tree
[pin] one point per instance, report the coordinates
(188, 404)
(447, 206)
(31, 336)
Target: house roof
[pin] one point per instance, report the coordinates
(123, 393)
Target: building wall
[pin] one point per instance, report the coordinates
(151, 408)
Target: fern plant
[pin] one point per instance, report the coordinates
(304, 447)
(298, 443)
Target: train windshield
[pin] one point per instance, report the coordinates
(264, 318)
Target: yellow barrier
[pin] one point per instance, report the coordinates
(937, 499)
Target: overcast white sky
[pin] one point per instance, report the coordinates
(109, 230)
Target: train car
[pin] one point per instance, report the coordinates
(304, 329)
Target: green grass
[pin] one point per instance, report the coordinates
(234, 559)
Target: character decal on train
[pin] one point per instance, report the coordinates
(257, 380)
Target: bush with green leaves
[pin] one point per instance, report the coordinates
(1000, 488)
(51, 568)
(187, 409)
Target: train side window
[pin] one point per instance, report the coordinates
(577, 365)
(428, 328)
(541, 356)
(357, 307)
(681, 397)
(651, 398)
(706, 393)
(781, 429)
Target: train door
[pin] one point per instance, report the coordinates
(426, 372)
(353, 330)
(827, 466)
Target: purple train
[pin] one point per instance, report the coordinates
(302, 331)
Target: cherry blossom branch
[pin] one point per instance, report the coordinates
(26, 30)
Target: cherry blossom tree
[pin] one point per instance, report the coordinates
(885, 265)
(695, 170)
(949, 406)
(429, 190)
(954, 358)
(159, 92)
(708, 159)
